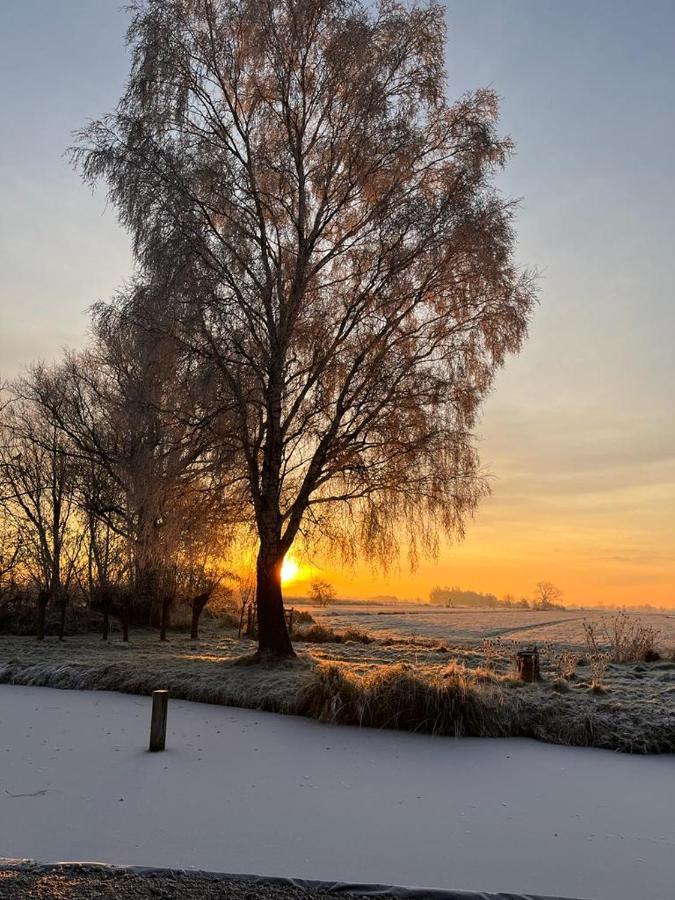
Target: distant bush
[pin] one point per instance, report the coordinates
(322, 592)
(302, 617)
(455, 596)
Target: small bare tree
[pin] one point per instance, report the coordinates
(39, 500)
(547, 596)
(321, 592)
(11, 541)
(347, 265)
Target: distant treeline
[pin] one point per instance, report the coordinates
(455, 596)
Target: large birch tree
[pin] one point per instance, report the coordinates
(347, 261)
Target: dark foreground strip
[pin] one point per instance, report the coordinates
(90, 881)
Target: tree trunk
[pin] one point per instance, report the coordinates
(42, 601)
(63, 602)
(125, 620)
(164, 620)
(273, 637)
(198, 604)
(106, 613)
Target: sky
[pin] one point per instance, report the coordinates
(578, 435)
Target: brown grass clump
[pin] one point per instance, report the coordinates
(356, 636)
(398, 697)
(320, 634)
(457, 702)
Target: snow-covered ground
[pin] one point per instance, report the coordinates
(241, 791)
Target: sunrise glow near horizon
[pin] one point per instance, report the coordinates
(577, 437)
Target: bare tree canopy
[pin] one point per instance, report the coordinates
(322, 592)
(345, 264)
(145, 474)
(37, 493)
(547, 595)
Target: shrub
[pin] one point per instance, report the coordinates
(17, 612)
(566, 663)
(624, 638)
(491, 648)
(302, 617)
(18, 615)
(563, 662)
(598, 663)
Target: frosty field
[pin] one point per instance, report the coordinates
(424, 669)
(470, 626)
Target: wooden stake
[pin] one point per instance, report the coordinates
(160, 705)
(528, 665)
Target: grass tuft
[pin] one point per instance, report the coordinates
(320, 634)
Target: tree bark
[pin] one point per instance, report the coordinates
(106, 614)
(198, 604)
(165, 615)
(42, 601)
(273, 637)
(63, 602)
(125, 620)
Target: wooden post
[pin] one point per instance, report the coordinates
(160, 705)
(528, 665)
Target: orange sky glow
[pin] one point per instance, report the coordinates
(578, 436)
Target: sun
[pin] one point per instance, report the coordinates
(289, 570)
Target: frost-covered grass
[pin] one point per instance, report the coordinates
(470, 626)
(414, 683)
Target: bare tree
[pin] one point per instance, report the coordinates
(321, 592)
(347, 264)
(546, 596)
(38, 492)
(148, 477)
(10, 545)
(107, 559)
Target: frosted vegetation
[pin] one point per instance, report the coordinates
(410, 667)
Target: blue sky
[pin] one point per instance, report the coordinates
(579, 433)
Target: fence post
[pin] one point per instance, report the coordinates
(528, 665)
(160, 705)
